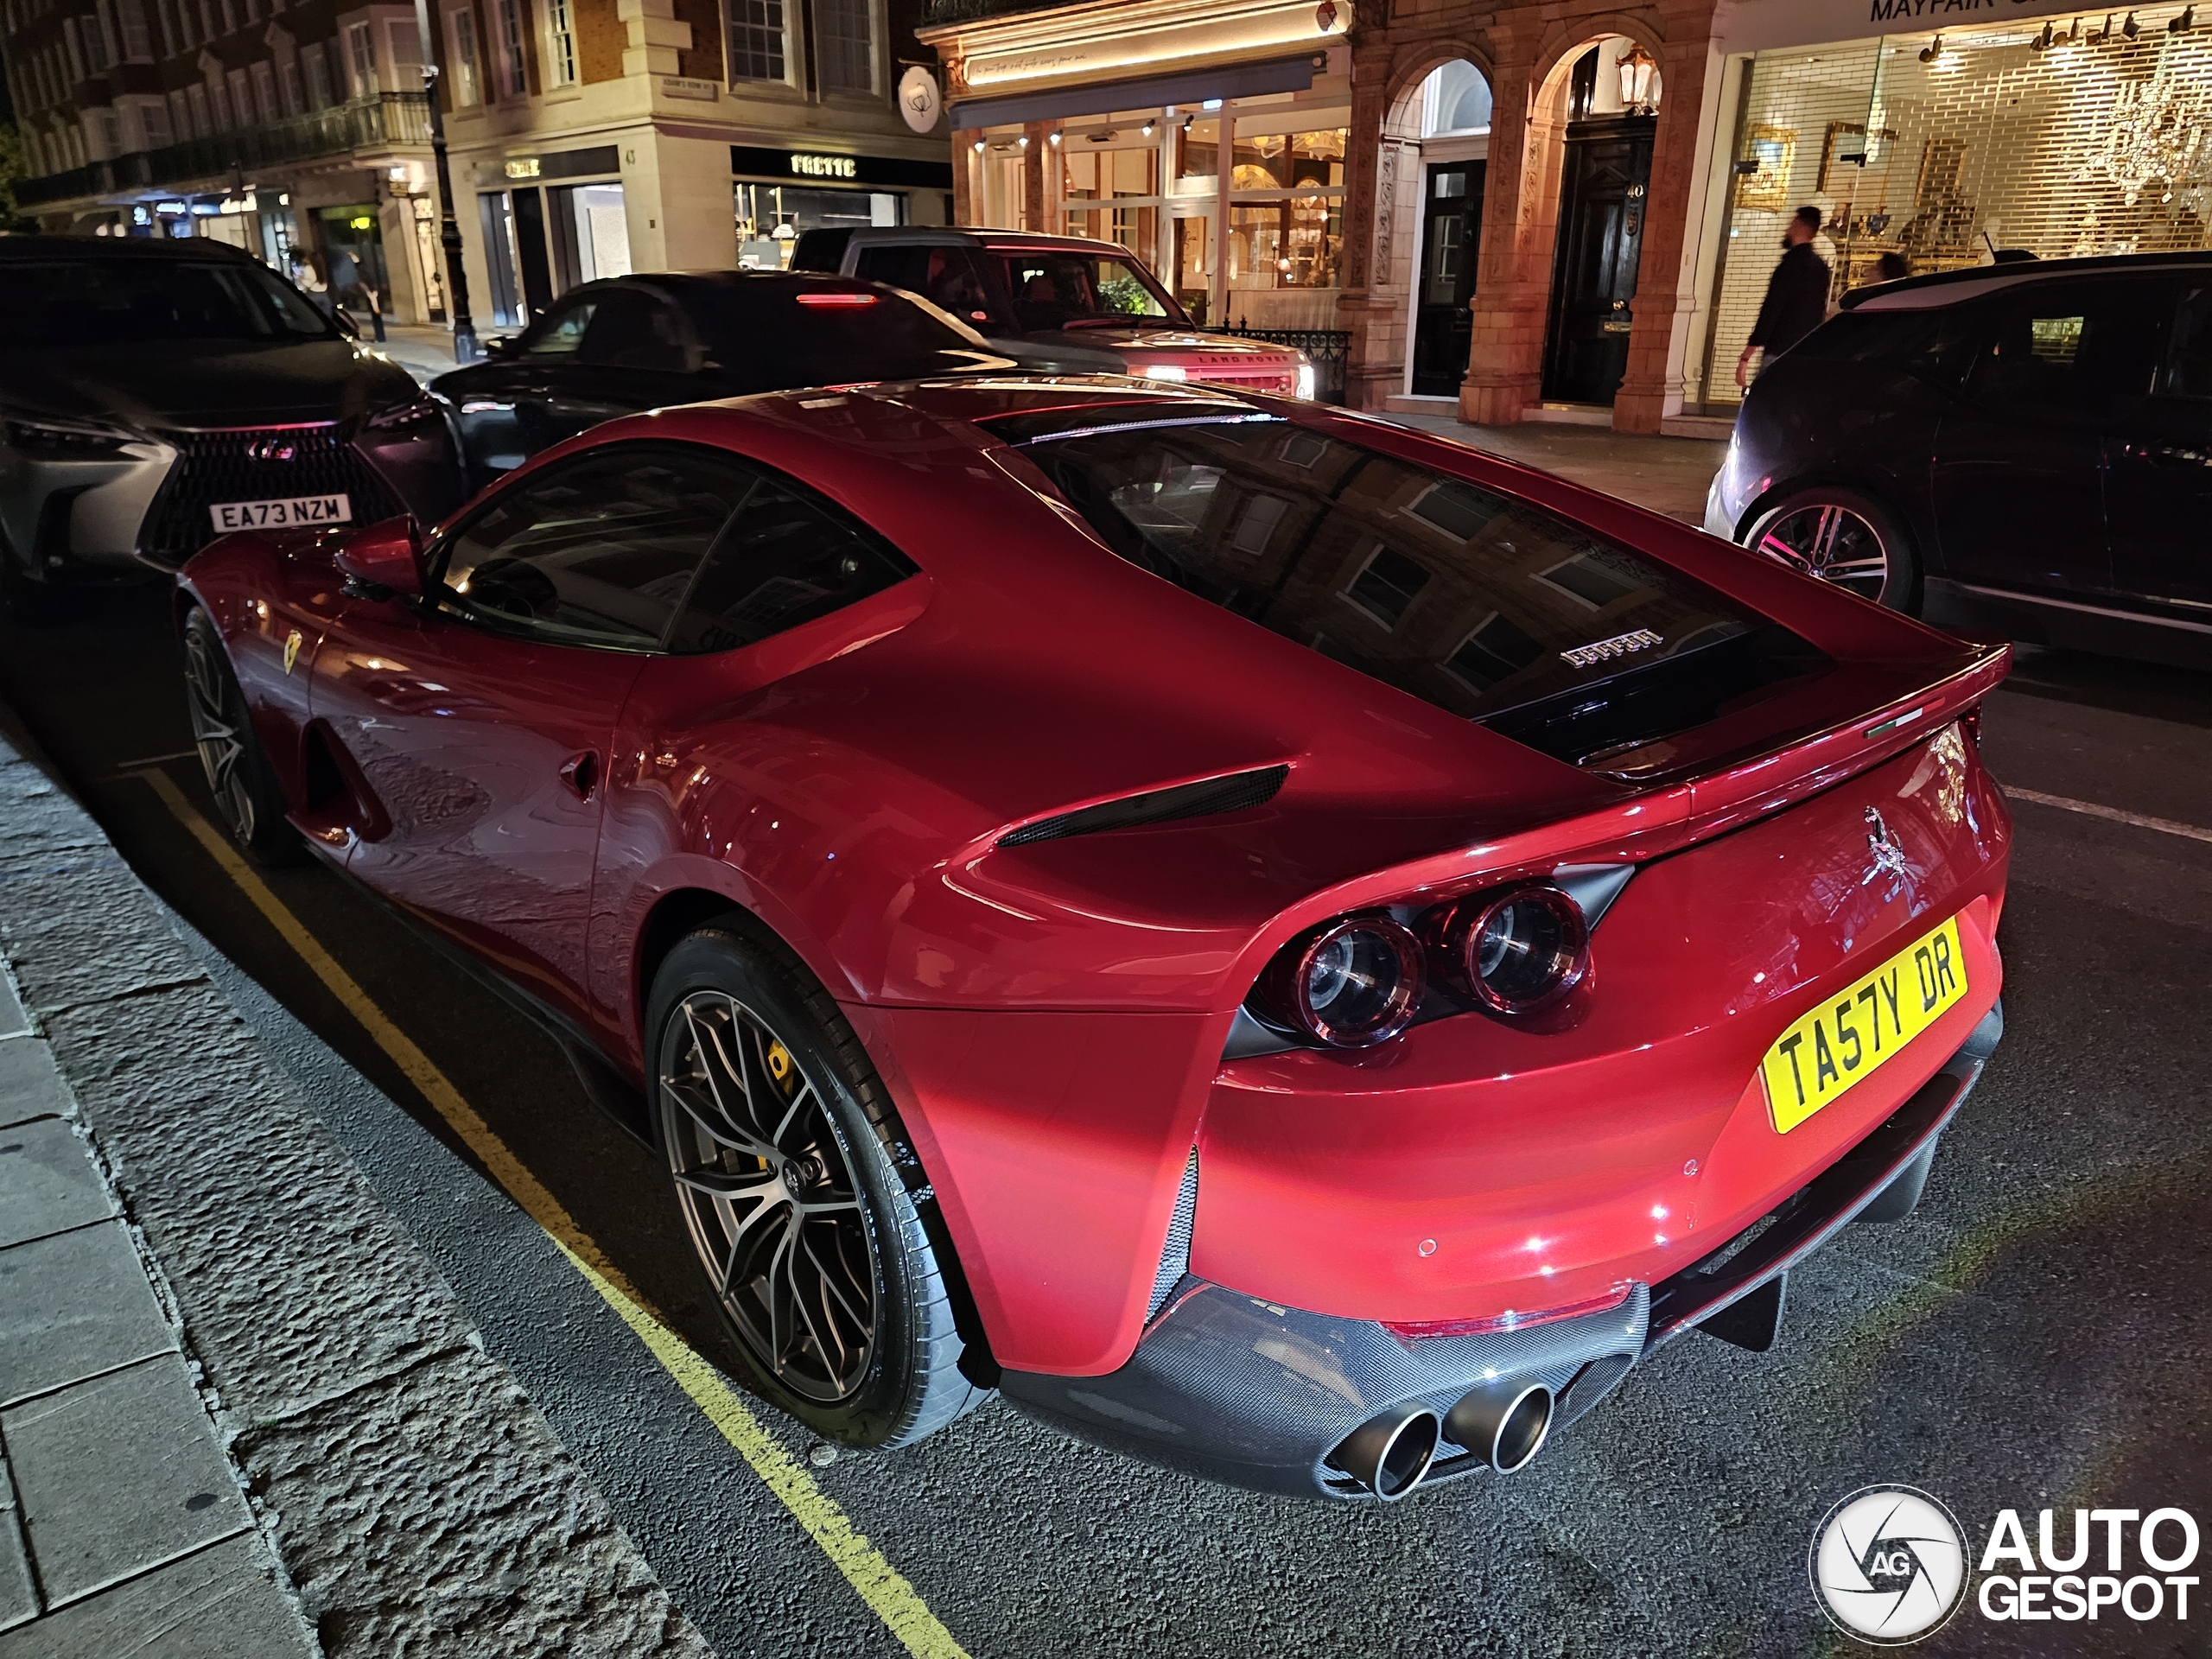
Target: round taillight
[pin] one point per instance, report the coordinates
(1352, 984)
(1516, 951)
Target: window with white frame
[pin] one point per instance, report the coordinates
(264, 88)
(100, 35)
(315, 62)
(844, 39)
(196, 101)
(460, 52)
(560, 41)
(241, 98)
(219, 103)
(360, 61)
(180, 114)
(756, 41)
(288, 86)
(514, 76)
(80, 50)
(403, 46)
(154, 124)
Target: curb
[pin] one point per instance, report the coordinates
(417, 1498)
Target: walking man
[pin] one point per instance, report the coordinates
(1796, 296)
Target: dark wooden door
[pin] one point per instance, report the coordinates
(1603, 198)
(1451, 212)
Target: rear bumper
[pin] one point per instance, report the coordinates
(1259, 1395)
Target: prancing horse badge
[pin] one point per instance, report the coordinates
(291, 649)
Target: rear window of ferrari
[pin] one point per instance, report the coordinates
(1476, 601)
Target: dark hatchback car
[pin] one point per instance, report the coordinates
(2027, 446)
(156, 394)
(633, 343)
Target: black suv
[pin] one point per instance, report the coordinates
(2027, 445)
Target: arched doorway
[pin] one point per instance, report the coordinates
(1455, 119)
(1610, 122)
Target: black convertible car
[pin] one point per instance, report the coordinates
(2025, 445)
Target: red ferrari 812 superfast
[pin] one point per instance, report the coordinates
(1289, 947)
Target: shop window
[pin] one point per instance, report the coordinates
(591, 232)
(756, 40)
(1089, 172)
(1939, 155)
(460, 28)
(1198, 150)
(845, 45)
(1295, 243)
(1287, 161)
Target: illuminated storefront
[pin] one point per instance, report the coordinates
(2058, 133)
(1208, 136)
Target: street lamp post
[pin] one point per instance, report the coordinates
(465, 348)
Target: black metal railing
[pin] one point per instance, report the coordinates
(1329, 348)
(377, 122)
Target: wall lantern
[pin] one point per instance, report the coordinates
(1637, 69)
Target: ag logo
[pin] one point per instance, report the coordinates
(1889, 1565)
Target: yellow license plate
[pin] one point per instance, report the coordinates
(1846, 1039)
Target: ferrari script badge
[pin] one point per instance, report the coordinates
(291, 649)
(1884, 852)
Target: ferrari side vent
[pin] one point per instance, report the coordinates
(1214, 795)
(1175, 1254)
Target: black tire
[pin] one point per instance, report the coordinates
(827, 1200)
(1845, 538)
(240, 777)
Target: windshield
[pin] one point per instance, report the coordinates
(1472, 600)
(1077, 290)
(780, 335)
(64, 303)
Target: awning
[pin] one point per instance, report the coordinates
(1191, 87)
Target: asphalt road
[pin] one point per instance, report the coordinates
(2036, 1335)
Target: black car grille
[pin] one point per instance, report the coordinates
(212, 467)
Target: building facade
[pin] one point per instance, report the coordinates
(1567, 209)
(586, 137)
(298, 131)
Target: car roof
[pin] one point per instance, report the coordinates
(940, 235)
(119, 247)
(1944, 287)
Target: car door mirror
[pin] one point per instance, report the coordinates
(383, 560)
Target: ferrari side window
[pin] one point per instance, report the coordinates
(784, 561)
(597, 552)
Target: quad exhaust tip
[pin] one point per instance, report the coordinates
(1389, 1454)
(1503, 1423)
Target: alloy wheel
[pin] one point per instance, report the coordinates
(769, 1192)
(216, 732)
(1833, 542)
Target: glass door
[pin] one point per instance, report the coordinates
(1451, 216)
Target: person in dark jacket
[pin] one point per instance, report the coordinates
(1796, 296)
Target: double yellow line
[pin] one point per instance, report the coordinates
(881, 1584)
